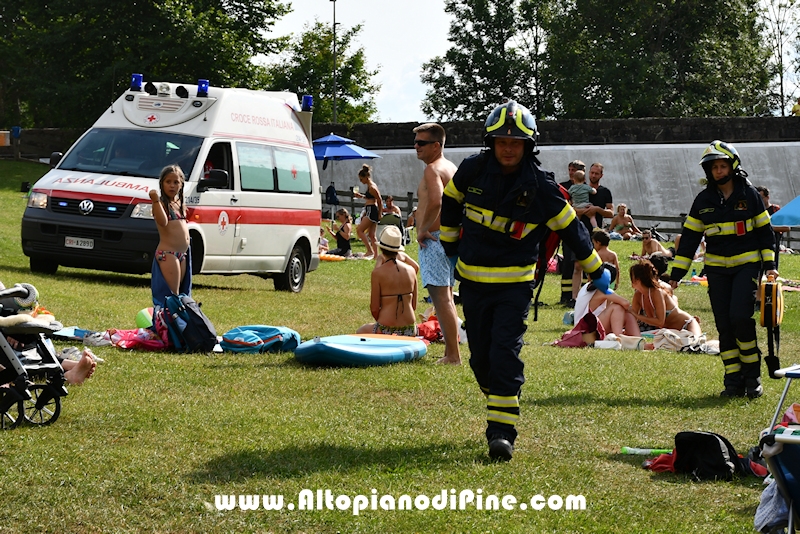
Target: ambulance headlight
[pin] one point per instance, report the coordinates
(37, 200)
(164, 89)
(142, 210)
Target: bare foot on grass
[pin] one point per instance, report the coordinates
(77, 372)
(449, 360)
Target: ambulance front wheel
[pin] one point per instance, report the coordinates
(295, 275)
(43, 265)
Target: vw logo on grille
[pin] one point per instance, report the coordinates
(86, 207)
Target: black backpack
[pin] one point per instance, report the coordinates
(706, 456)
(330, 196)
(189, 328)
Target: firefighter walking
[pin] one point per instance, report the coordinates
(495, 211)
(739, 244)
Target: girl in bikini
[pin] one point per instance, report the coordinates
(393, 298)
(653, 305)
(169, 212)
(372, 211)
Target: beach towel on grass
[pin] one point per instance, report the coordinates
(257, 338)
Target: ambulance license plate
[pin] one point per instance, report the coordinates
(79, 242)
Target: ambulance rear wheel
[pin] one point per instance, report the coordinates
(43, 265)
(295, 275)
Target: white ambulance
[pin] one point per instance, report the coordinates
(252, 190)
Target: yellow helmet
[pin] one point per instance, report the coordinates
(720, 150)
(510, 120)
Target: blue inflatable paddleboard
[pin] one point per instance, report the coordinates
(360, 350)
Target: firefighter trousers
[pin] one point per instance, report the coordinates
(732, 292)
(496, 319)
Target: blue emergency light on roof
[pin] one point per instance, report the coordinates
(136, 82)
(308, 102)
(202, 88)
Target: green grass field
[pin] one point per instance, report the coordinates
(149, 442)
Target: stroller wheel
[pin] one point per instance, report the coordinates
(43, 413)
(11, 418)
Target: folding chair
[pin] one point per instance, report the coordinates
(785, 465)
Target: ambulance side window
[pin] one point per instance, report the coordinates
(256, 167)
(294, 172)
(219, 157)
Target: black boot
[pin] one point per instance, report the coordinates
(752, 379)
(753, 388)
(734, 385)
(500, 449)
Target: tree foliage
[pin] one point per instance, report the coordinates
(484, 65)
(659, 58)
(781, 29)
(72, 57)
(307, 68)
(602, 58)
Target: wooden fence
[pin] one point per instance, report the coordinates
(672, 226)
(666, 225)
(355, 205)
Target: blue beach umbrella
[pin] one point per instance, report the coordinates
(788, 215)
(334, 147)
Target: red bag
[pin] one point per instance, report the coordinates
(587, 325)
(430, 330)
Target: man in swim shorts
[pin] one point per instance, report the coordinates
(437, 272)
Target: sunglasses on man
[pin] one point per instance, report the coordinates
(422, 142)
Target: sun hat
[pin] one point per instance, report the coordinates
(391, 239)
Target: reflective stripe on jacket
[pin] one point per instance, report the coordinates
(495, 222)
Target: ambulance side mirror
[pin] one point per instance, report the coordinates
(55, 157)
(217, 179)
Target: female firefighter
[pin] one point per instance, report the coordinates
(739, 242)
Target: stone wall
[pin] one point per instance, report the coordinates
(589, 131)
(41, 142)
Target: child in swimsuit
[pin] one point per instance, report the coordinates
(169, 212)
(393, 300)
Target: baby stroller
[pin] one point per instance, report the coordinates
(31, 377)
(781, 449)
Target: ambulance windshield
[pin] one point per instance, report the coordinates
(132, 152)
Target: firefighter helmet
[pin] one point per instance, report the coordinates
(720, 150)
(510, 120)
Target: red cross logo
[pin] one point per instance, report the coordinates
(152, 118)
(222, 223)
(294, 173)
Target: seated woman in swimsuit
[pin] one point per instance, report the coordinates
(342, 234)
(610, 309)
(623, 224)
(653, 306)
(393, 300)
